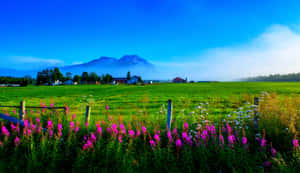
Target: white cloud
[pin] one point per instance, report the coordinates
(30, 63)
(77, 62)
(275, 51)
(29, 59)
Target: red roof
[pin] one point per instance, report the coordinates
(178, 79)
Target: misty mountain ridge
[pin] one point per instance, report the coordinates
(116, 67)
(126, 60)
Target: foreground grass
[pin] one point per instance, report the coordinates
(216, 104)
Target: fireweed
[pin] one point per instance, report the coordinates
(106, 144)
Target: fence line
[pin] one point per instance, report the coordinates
(23, 107)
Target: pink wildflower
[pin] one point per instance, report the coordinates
(204, 136)
(51, 133)
(107, 107)
(178, 143)
(212, 129)
(120, 138)
(122, 129)
(156, 138)
(13, 127)
(67, 110)
(244, 140)
(231, 140)
(273, 152)
(131, 133)
(49, 124)
(51, 105)
(184, 135)
(144, 130)
(138, 133)
(88, 145)
(99, 129)
(186, 126)
(73, 116)
(221, 140)
(93, 138)
(4, 131)
(152, 144)
(229, 129)
(32, 126)
(26, 123)
(17, 141)
(169, 136)
(76, 129)
(59, 127)
(263, 142)
(174, 131)
(39, 129)
(28, 132)
(114, 129)
(207, 127)
(295, 143)
(72, 125)
(14, 111)
(109, 130)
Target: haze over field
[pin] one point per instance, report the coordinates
(207, 40)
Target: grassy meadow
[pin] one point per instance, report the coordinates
(126, 100)
(204, 114)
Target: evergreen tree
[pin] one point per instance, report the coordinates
(85, 77)
(76, 79)
(128, 75)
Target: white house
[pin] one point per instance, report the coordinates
(148, 81)
(57, 82)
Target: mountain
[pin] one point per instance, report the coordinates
(116, 67)
(125, 61)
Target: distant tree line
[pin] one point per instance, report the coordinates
(22, 81)
(291, 77)
(50, 76)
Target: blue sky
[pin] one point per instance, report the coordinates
(179, 35)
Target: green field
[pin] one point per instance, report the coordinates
(127, 97)
(222, 97)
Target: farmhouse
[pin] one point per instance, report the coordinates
(57, 82)
(89, 82)
(179, 80)
(133, 80)
(69, 82)
(148, 81)
(119, 80)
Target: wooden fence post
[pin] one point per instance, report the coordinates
(169, 117)
(22, 110)
(87, 114)
(255, 120)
